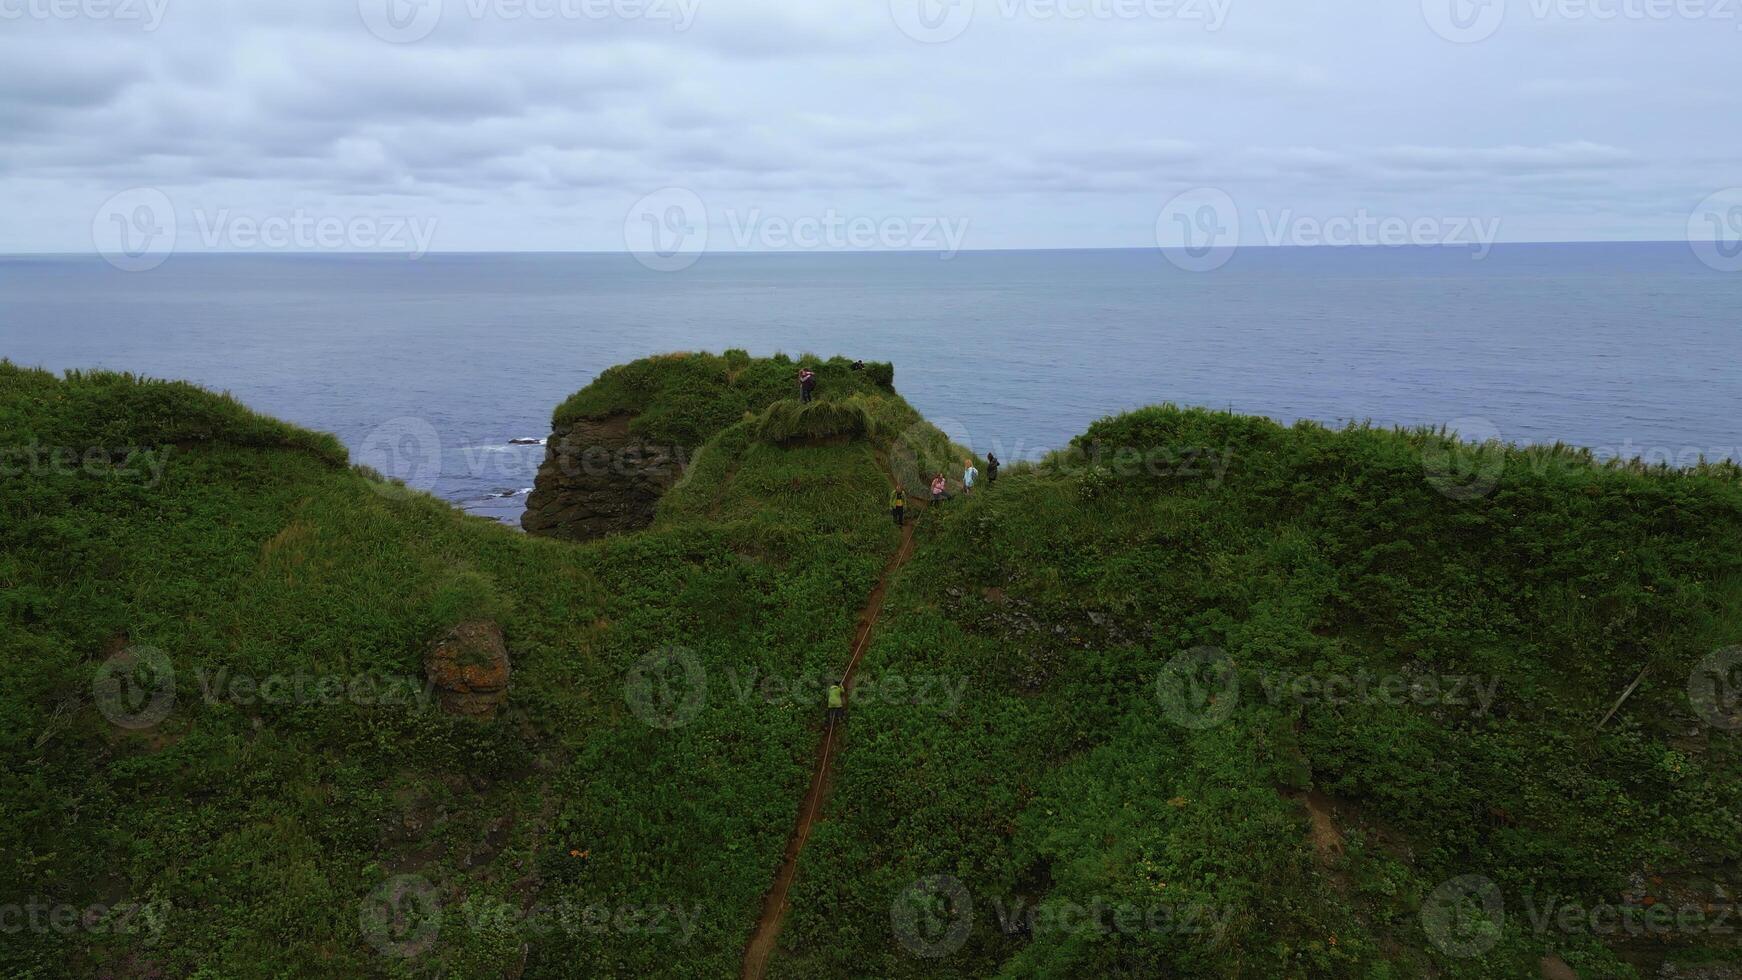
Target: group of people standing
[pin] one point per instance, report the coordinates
(807, 386)
(940, 487)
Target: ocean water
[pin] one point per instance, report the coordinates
(1633, 349)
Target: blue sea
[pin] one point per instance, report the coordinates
(1633, 349)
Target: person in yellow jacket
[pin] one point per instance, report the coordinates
(837, 703)
(898, 506)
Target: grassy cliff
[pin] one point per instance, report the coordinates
(1115, 722)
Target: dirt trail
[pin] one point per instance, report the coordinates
(774, 906)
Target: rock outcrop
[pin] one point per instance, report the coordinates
(468, 669)
(597, 479)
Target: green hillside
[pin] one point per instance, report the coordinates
(1097, 690)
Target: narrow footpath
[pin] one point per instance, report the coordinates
(774, 906)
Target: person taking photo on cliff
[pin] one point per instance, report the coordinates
(807, 383)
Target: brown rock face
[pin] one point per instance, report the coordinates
(598, 479)
(469, 669)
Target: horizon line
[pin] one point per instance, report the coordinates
(1459, 246)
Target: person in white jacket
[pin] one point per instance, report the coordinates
(969, 475)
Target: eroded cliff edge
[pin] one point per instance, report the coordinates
(598, 478)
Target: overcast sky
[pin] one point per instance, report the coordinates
(569, 124)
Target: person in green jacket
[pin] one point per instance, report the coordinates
(898, 506)
(837, 703)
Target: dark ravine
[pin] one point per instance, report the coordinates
(599, 478)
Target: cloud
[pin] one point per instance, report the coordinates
(1041, 130)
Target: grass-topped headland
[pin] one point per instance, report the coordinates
(685, 398)
(620, 444)
(1199, 695)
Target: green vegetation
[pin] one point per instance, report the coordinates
(1065, 780)
(624, 814)
(685, 398)
(253, 829)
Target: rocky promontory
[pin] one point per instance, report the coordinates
(599, 478)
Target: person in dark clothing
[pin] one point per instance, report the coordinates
(807, 383)
(991, 468)
(898, 507)
(858, 365)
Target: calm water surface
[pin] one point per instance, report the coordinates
(1629, 348)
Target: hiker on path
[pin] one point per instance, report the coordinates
(837, 704)
(898, 506)
(969, 475)
(937, 488)
(807, 383)
(991, 468)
